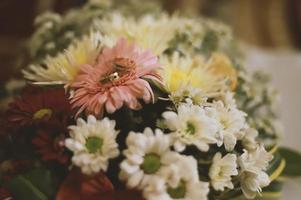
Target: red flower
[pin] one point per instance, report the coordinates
(49, 142)
(11, 168)
(119, 195)
(77, 186)
(38, 104)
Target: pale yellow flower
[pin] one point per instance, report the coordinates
(63, 68)
(190, 72)
(222, 66)
(194, 77)
(148, 32)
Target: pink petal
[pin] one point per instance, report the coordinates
(110, 108)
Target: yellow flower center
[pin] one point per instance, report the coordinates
(177, 78)
(40, 114)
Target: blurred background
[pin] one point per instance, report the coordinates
(268, 24)
(270, 31)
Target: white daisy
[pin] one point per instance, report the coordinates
(231, 122)
(191, 126)
(156, 190)
(147, 156)
(253, 176)
(188, 177)
(188, 190)
(185, 184)
(221, 171)
(93, 143)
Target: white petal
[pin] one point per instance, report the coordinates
(128, 168)
(135, 179)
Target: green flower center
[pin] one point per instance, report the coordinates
(94, 144)
(40, 114)
(151, 163)
(190, 128)
(177, 192)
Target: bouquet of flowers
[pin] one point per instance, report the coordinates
(153, 107)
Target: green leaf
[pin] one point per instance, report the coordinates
(273, 191)
(44, 180)
(275, 186)
(22, 189)
(293, 162)
(276, 167)
(232, 194)
(37, 184)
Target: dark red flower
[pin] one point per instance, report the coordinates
(77, 186)
(49, 142)
(119, 195)
(38, 104)
(11, 168)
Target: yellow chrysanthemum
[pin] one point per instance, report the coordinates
(222, 66)
(63, 68)
(148, 32)
(196, 78)
(190, 72)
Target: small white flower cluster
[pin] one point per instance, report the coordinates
(162, 174)
(212, 123)
(221, 171)
(253, 176)
(222, 124)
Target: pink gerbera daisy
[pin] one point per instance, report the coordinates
(117, 79)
